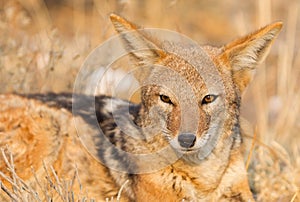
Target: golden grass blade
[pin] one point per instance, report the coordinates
(294, 197)
(251, 149)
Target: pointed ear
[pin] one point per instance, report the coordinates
(141, 47)
(243, 55)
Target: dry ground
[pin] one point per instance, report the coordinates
(44, 42)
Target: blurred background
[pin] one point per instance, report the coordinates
(43, 44)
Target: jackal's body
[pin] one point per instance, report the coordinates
(41, 128)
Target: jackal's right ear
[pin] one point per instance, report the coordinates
(143, 49)
(243, 55)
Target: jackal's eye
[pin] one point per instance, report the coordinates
(165, 99)
(209, 99)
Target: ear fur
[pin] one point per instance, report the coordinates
(144, 51)
(138, 44)
(243, 55)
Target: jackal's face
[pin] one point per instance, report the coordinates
(191, 94)
(187, 101)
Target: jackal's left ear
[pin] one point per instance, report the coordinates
(243, 55)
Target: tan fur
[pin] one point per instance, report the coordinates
(36, 131)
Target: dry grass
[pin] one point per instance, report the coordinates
(43, 41)
(22, 191)
(52, 188)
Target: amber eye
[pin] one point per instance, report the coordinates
(209, 99)
(165, 99)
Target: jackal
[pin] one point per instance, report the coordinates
(181, 143)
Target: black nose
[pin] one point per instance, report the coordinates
(187, 140)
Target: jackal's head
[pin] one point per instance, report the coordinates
(191, 94)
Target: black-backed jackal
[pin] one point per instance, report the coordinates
(182, 142)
